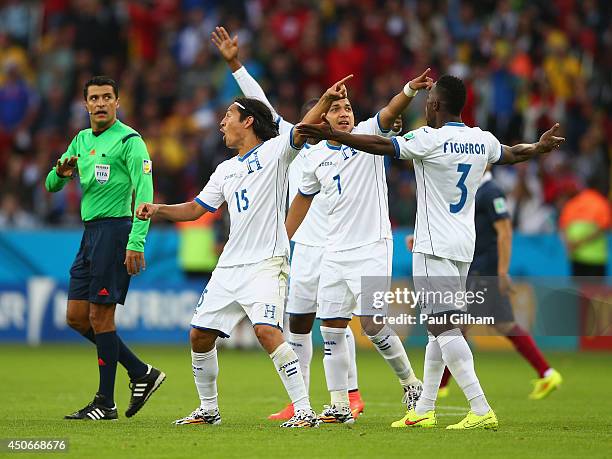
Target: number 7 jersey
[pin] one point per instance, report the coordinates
(449, 163)
(354, 187)
(255, 189)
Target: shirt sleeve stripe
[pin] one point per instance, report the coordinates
(397, 148)
(308, 194)
(129, 136)
(291, 140)
(379, 126)
(501, 153)
(206, 206)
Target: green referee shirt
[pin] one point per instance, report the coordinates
(110, 165)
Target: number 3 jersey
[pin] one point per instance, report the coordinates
(449, 163)
(255, 189)
(354, 185)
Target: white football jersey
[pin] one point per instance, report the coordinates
(255, 189)
(314, 228)
(283, 126)
(449, 163)
(354, 186)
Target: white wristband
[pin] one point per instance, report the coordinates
(409, 91)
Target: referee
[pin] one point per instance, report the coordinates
(112, 162)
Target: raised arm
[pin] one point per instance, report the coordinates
(229, 48)
(526, 151)
(400, 101)
(374, 144)
(63, 171)
(337, 91)
(208, 200)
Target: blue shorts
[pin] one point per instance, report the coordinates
(98, 273)
(495, 304)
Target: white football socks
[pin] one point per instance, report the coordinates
(352, 372)
(458, 357)
(302, 346)
(287, 364)
(432, 375)
(205, 372)
(336, 363)
(391, 348)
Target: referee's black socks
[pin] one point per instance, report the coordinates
(135, 367)
(108, 353)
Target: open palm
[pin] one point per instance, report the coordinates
(228, 47)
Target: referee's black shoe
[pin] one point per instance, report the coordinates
(143, 388)
(95, 411)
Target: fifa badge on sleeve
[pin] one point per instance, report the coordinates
(147, 166)
(500, 205)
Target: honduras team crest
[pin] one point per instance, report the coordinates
(102, 172)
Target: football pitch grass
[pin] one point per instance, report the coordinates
(40, 385)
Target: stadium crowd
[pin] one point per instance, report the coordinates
(526, 64)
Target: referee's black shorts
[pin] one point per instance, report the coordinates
(98, 273)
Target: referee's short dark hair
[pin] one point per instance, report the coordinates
(101, 80)
(452, 93)
(264, 125)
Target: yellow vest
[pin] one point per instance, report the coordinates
(197, 246)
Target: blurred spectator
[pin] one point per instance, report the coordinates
(197, 252)
(463, 26)
(57, 61)
(16, 18)
(18, 102)
(13, 54)
(12, 216)
(288, 22)
(525, 64)
(562, 68)
(97, 32)
(347, 56)
(584, 221)
(193, 36)
(530, 215)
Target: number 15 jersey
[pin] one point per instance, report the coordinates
(449, 163)
(255, 189)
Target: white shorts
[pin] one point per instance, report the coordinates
(441, 281)
(256, 290)
(342, 273)
(304, 281)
